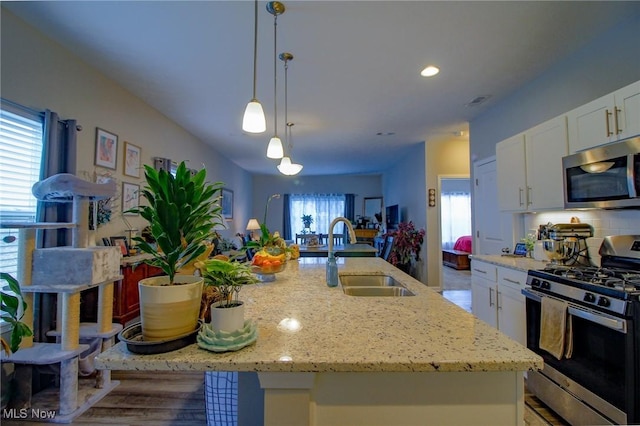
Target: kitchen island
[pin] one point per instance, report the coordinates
(325, 358)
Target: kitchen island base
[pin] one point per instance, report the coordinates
(495, 398)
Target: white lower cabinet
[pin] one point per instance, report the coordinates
(496, 298)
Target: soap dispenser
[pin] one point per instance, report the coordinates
(332, 271)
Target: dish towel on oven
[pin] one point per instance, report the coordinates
(554, 324)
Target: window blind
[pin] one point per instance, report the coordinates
(20, 160)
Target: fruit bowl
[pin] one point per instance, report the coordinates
(268, 269)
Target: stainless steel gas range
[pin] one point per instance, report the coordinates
(599, 382)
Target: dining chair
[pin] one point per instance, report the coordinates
(338, 240)
(387, 247)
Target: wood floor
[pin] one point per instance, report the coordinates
(177, 399)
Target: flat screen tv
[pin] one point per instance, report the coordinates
(392, 214)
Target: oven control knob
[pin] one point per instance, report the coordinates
(535, 282)
(589, 297)
(603, 301)
(545, 285)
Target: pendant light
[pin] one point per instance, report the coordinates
(274, 149)
(254, 120)
(286, 166)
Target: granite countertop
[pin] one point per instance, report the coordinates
(519, 263)
(305, 326)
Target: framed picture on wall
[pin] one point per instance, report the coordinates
(130, 197)
(106, 149)
(131, 159)
(122, 243)
(227, 203)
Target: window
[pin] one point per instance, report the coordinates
(21, 136)
(456, 217)
(323, 208)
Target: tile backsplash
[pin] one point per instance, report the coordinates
(604, 222)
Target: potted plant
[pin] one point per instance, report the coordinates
(13, 307)
(182, 211)
(227, 277)
(407, 241)
(307, 220)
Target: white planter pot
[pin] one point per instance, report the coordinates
(169, 311)
(227, 319)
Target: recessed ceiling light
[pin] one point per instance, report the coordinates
(430, 71)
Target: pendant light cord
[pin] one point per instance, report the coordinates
(275, 75)
(286, 107)
(255, 45)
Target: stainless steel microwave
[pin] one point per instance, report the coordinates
(605, 177)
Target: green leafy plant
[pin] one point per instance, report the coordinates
(307, 220)
(228, 277)
(182, 211)
(529, 242)
(13, 307)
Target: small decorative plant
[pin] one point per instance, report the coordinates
(228, 277)
(307, 220)
(182, 211)
(529, 243)
(407, 241)
(13, 307)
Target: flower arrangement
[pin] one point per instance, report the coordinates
(407, 241)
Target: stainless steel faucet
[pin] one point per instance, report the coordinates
(332, 267)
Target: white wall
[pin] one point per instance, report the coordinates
(40, 74)
(444, 157)
(602, 66)
(266, 185)
(404, 184)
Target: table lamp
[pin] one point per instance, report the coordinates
(252, 226)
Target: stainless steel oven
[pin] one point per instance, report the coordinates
(600, 382)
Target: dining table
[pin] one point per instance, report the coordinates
(342, 250)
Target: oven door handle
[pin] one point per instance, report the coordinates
(604, 320)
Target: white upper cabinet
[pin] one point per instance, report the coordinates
(607, 119)
(512, 174)
(530, 167)
(546, 144)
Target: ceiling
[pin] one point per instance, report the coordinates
(355, 93)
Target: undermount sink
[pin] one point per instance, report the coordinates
(377, 291)
(372, 285)
(368, 281)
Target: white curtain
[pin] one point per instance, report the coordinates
(456, 217)
(322, 207)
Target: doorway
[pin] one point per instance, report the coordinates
(455, 222)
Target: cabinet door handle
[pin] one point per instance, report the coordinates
(499, 296)
(512, 281)
(491, 298)
(529, 202)
(616, 111)
(520, 192)
(606, 119)
(479, 270)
